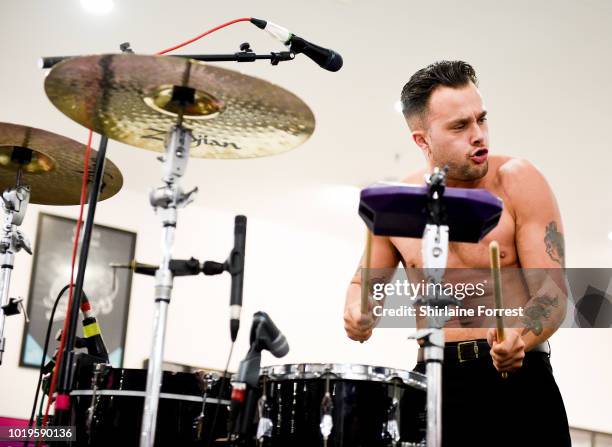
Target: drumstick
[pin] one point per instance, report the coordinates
(496, 273)
(365, 276)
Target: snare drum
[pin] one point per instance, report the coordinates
(340, 405)
(107, 406)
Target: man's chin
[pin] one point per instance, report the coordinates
(474, 172)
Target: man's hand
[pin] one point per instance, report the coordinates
(509, 354)
(358, 327)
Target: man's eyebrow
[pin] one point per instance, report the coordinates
(457, 121)
(465, 120)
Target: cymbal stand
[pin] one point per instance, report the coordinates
(14, 203)
(165, 200)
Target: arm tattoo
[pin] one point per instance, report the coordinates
(538, 311)
(555, 246)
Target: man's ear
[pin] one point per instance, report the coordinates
(419, 137)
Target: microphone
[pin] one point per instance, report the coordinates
(92, 334)
(323, 57)
(267, 336)
(245, 386)
(236, 269)
(136, 267)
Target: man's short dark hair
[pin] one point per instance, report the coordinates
(418, 90)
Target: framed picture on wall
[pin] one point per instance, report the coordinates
(107, 289)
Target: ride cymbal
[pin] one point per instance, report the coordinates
(132, 98)
(52, 165)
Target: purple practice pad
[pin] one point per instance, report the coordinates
(401, 210)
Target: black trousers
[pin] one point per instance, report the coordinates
(479, 408)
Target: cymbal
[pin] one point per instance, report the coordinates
(52, 165)
(128, 97)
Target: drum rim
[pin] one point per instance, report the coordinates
(346, 371)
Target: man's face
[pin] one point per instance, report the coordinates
(454, 132)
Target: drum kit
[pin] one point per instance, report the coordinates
(184, 108)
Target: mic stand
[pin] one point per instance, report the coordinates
(14, 203)
(165, 200)
(434, 250)
(244, 55)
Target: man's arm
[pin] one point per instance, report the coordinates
(384, 256)
(541, 251)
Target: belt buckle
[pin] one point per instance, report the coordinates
(474, 344)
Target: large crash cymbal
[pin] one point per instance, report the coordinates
(127, 97)
(50, 164)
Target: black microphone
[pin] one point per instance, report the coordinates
(324, 57)
(245, 385)
(267, 336)
(236, 269)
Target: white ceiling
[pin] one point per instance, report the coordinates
(544, 69)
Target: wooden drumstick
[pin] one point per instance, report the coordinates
(365, 275)
(499, 302)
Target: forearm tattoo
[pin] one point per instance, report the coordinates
(539, 310)
(555, 245)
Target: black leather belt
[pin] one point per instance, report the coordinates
(458, 352)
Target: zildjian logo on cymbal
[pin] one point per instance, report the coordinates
(160, 135)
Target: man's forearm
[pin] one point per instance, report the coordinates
(543, 315)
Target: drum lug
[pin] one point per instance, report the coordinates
(327, 422)
(265, 425)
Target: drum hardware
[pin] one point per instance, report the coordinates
(166, 200)
(181, 107)
(327, 408)
(14, 203)
(397, 210)
(392, 428)
(357, 400)
(264, 425)
(39, 167)
(434, 250)
(99, 369)
(198, 424)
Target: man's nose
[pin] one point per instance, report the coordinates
(477, 136)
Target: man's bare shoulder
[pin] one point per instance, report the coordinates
(517, 174)
(521, 182)
(416, 177)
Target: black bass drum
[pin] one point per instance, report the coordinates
(107, 405)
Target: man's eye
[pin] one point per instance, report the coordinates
(459, 126)
(483, 119)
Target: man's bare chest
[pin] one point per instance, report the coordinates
(464, 255)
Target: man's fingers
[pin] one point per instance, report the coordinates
(505, 364)
(491, 336)
(358, 335)
(509, 368)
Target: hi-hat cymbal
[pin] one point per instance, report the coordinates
(50, 164)
(128, 98)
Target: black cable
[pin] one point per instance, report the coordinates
(219, 396)
(42, 361)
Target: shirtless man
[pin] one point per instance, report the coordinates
(448, 122)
